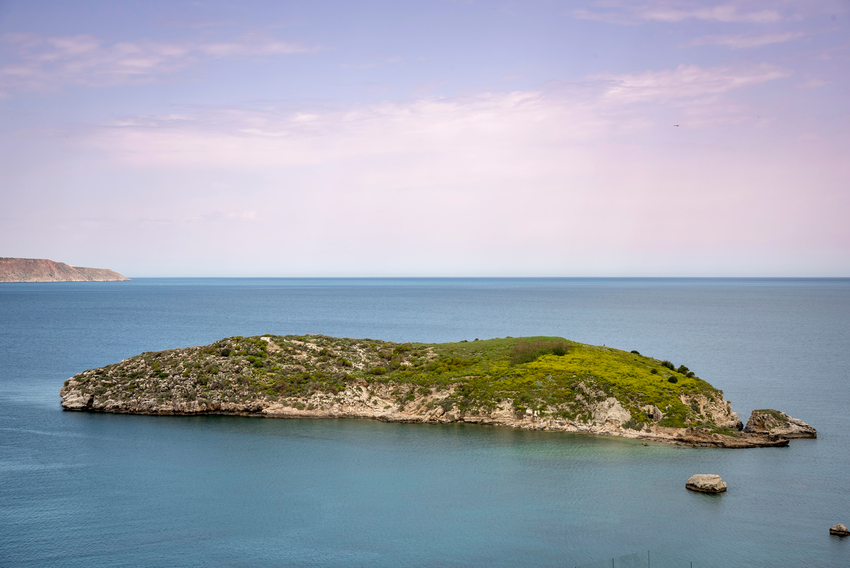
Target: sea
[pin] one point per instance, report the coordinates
(83, 489)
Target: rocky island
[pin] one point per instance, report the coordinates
(544, 383)
(43, 270)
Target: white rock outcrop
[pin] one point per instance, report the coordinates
(610, 410)
(75, 400)
(776, 423)
(706, 483)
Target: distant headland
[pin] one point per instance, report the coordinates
(541, 383)
(43, 270)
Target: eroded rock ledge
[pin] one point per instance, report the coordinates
(771, 422)
(531, 383)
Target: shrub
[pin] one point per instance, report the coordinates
(668, 364)
(377, 370)
(635, 352)
(690, 374)
(682, 369)
(526, 351)
(673, 380)
(654, 371)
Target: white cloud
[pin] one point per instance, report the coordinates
(696, 90)
(44, 63)
(672, 11)
(720, 13)
(544, 182)
(692, 81)
(489, 127)
(746, 41)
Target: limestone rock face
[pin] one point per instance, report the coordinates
(775, 423)
(75, 400)
(610, 410)
(733, 422)
(706, 483)
(839, 530)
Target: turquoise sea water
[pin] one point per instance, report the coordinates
(117, 490)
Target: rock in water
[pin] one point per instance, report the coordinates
(839, 530)
(775, 423)
(706, 483)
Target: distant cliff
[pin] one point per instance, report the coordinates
(43, 270)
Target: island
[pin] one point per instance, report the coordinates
(543, 383)
(43, 270)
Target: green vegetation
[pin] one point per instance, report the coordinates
(539, 376)
(779, 416)
(528, 350)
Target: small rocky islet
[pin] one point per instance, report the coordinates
(542, 383)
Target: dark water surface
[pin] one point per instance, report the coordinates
(118, 490)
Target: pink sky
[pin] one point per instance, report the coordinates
(492, 139)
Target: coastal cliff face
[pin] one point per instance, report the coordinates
(775, 423)
(533, 383)
(42, 270)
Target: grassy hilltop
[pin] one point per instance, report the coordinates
(546, 377)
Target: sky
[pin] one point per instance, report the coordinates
(427, 138)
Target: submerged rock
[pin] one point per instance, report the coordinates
(775, 423)
(839, 530)
(706, 483)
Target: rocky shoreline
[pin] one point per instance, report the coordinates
(142, 385)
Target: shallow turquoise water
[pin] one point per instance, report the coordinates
(117, 490)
